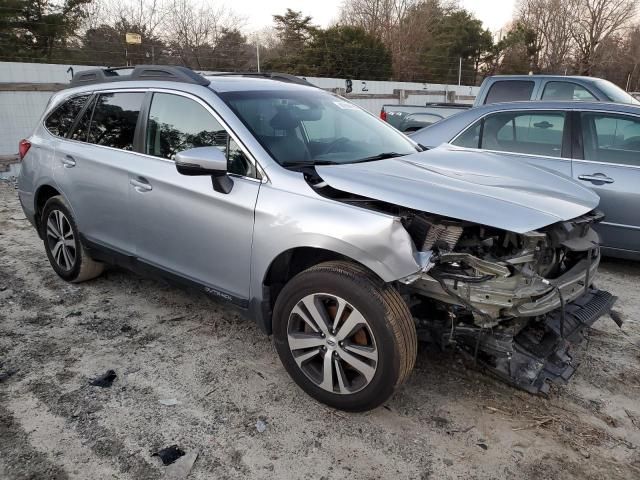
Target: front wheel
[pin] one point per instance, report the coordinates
(346, 338)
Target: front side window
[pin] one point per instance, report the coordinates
(114, 119)
(178, 123)
(566, 91)
(307, 127)
(509, 91)
(611, 138)
(60, 121)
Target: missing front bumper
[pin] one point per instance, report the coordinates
(535, 356)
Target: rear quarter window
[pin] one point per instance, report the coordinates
(509, 91)
(60, 121)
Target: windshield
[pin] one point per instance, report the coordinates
(615, 93)
(315, 127)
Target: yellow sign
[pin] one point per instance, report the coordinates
(133, 38)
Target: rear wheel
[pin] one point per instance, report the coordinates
(66, 253)
(345, 337)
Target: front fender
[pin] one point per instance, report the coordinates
(285, 220)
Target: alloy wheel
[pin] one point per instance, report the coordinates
(61, 240)
(332, 343)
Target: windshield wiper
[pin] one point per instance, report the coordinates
(310, 163)
(380, 156)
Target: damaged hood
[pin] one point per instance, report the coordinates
(471, 185)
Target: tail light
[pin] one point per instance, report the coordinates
(23, 148)
(383, 115)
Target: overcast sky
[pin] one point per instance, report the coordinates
(493, 13)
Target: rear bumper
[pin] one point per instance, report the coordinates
(27, 203)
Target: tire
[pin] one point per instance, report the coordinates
(375, 327)
(68, 259)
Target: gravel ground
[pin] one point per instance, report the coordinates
(448, 421)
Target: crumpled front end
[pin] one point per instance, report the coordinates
(515, 302)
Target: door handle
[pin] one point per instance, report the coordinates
(596, 178)
(68, 161)
(141, 185)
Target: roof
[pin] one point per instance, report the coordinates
(556, 105)
(219, 82)
(546, 77)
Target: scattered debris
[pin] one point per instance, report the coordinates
(181, 469)
(6, 294)
(261, 425)
(169, 455)
(616, 316)
(534, 425)
(634, 419)
(7, 373)
(105, 380)
(496, 410)
(483, 446)
(73, 314)
(169, 402)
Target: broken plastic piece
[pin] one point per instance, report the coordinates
(169, 455)
(105, 380)
(261, 426)
(169, 402)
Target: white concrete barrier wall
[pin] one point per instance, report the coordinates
(20, 110)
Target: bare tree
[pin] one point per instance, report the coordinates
(597, 21)
(553, 22)
(195, 30)
(404, 26)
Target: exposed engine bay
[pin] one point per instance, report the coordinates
(515, 302)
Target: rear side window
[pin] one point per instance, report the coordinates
(470, 138)
(60, 121)
(539, 133)
(114, 119)
(81, 129)
(509, 91)
(611, 138)
(566, 91)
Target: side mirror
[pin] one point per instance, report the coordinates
(208, 161)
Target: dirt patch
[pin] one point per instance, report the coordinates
(449, 421)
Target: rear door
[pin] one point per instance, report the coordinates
(180, 223)
(93, 168)
(539, 138)
(607, 159)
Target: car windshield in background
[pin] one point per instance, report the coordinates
(315, 127)
(615, 93)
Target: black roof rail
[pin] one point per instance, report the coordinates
(167, 73)
(283, 77)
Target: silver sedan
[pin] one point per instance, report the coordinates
(597, 144)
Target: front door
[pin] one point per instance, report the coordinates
(610, 165)
(181, 224)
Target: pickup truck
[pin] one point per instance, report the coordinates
(510, 88)
(409, 118)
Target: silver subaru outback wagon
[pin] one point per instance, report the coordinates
(329, 228)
